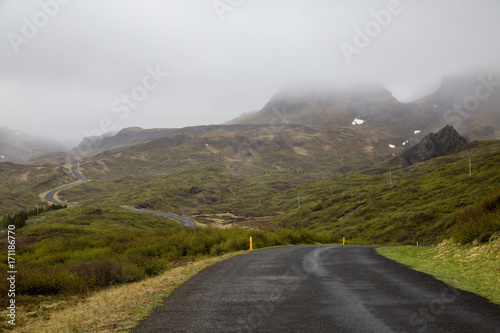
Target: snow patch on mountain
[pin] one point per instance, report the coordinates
(357, 122)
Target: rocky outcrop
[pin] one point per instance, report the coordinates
(445, 142)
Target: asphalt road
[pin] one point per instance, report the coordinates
(50, 196)
(319, 289)
(183, 220)
(78, 175)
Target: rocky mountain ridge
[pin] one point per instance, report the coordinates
(371, 107)
(445, 142)
(470, 103)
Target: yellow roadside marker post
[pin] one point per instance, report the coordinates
(250, 243)
(343, 241)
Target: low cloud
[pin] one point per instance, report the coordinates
(64, 63)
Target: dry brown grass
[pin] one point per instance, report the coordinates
(117, 309)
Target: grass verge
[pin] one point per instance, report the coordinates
(66, 255)
(117, 309)
(471, 268)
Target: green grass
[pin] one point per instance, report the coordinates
(116, 309)
(470, 268)
(83, 249)
(479, 221)
(21, 185)
(420, 205)
(207, 174)
(238, 166)
(77, 251)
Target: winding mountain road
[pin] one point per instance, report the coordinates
(319, 289)
(50, 196)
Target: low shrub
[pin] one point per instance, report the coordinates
(479, 221)
(80, 259)
(19, 219)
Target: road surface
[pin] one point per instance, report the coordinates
(319, 289)
(78, 175)
(50, 196)
(183, 220)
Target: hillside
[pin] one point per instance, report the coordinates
(334, 149)
(136, 135)
(419, 205)
(21, 185)
(187, 173)
(207, 176)
(370, 106)
(53, 158)
(379, 110)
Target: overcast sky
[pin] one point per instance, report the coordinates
(83, 66)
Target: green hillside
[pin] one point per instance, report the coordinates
(21, 185)
(224, 171)
(360, 205)
(418, 206)
(341, 175)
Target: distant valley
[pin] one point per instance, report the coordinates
(258, 166)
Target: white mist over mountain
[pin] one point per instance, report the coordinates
(69, 69)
